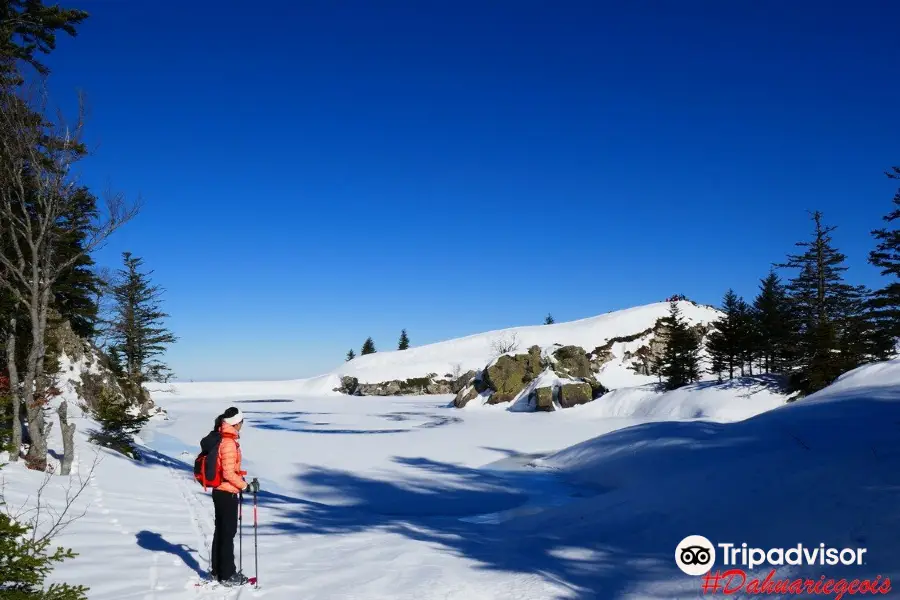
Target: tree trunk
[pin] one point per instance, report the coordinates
(36, 385)
(68, 436)
(14, 390)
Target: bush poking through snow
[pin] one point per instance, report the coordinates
(119, 424)
(505, 344)
(26, 556)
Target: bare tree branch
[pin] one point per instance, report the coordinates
(61, 514)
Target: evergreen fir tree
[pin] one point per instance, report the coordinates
(404, 341)
(119, 422)
(827, 315)
(137, 330)
(77, 288)
(717, 364)
(549, 320)
(748, 342)
(351, 354)
(885, 302)
(28, 27)
(368, 347)
(771, 315)
(724, 342)
(680, 364)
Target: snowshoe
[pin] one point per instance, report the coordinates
(235, 580)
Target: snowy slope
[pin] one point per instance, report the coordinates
(822, 470)
(473, 353)
(729, 401)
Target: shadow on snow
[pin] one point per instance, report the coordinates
(768, 481)
(659, 482)
(154, 542)
(295, 421)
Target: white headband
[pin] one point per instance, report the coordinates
(235, 419)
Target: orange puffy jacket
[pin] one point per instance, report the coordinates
(230, 461)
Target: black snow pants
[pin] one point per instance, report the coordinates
(222, 554)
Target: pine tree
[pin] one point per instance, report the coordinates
(368, 347)
(78, 286)
(771, 315)
(119, 423)
(885, 302)
(717, 365)
(828, 316)
(137, 331)
(680, 364)
(549, 320)
(748, 342)
(28, 27)
(351, 354)
(724, 342)
(404, 341)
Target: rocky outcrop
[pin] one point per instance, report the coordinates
(397, 387)
(90, 372)
(573, 361)
(439, 387)
(348, 385)
(61, 339)
(642, 360)
(464, 396)
(604, 354)
(502, 380)
(471, 391)
(573, 394)
(456, 385)
(543, 399)
(509, 374)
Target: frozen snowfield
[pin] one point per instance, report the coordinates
(404, 498)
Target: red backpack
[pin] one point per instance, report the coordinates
(207, 470)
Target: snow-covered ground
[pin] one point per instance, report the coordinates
(403, 497)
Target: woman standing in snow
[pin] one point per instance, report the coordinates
(226, 496)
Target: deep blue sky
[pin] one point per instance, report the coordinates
(316, 172)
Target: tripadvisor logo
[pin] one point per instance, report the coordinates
(695, 555)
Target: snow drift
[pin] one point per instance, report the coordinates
(821, 470)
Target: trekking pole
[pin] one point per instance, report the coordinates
(255, 521)
(241, 530)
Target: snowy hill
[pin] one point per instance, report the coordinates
(406, 498)
(615, 341)
(475, 351)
